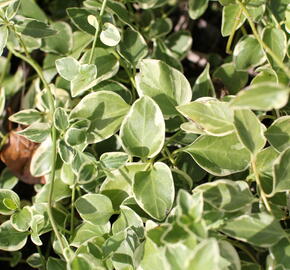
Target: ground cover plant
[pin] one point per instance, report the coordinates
(148, 135)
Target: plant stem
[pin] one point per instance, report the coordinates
(97, 30)
(231, 38)
(72, 212)
(262, 43)
(38, 70)
(262, 193)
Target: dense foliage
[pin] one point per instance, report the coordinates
(153, 141)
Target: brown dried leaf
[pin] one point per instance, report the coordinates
(17, 154)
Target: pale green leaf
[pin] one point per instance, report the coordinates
(252, 138)
(219, 155)
(166, 85)
(94, 208)
(110, 35)
(143, 129)
(105, 110)
(154, 190)
(262, 96)
(278, 134)
(212, 116)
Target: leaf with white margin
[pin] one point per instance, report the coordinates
(143, 130)
(94, 208)
(110, 35)
(282, 172)
(26, 117)
(9, 201)
(84, 80)
(278, 134)
(206, 256)
(250, 130)
(11, 239)
(67, 67)
(41, 159)
(219, 156)
(262, 96)
(166, 85)
(259, 229)
(154, 190)
(214, 117)
(106, 111)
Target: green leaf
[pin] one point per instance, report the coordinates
(21, 220)
(219, 156)
(55, 264)
(280, 252)
(113, 160)
(94, 208)
(262, 96)
(143, 129)
(7, 179)
(133, 46)
(79, 18)
(88, 172)
(34, 260)
(197, 8)
(166, 85)
(227, 195)
(203, 86)
(30, 9)
(282, 172)
(105, 110)
(234, 80)
(154, 190)
(260, 230)
(179, 43)
(160, 27)
(36, 132)
(212, 116)
(60, 43)
(60, 118)
(205, 256)
(67, 67)
(244, 58)
(87, 231)
(128, 219)
(231, 13)
(276, 40)
(84, 80)
(41, 159)
(66, 152)
(278, 134)
(153, 257)
(107, 64)
(9, 201)
(26, 117)
(118, 184)
(3, 38)
(11, 239)
(35, 29)
(252, 138)
(110, 35)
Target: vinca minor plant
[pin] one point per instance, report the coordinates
(145, 134)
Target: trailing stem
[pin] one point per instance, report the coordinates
(97, 30)
(262, 43)
(38, 70)
(230, 40)
(259, 184)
